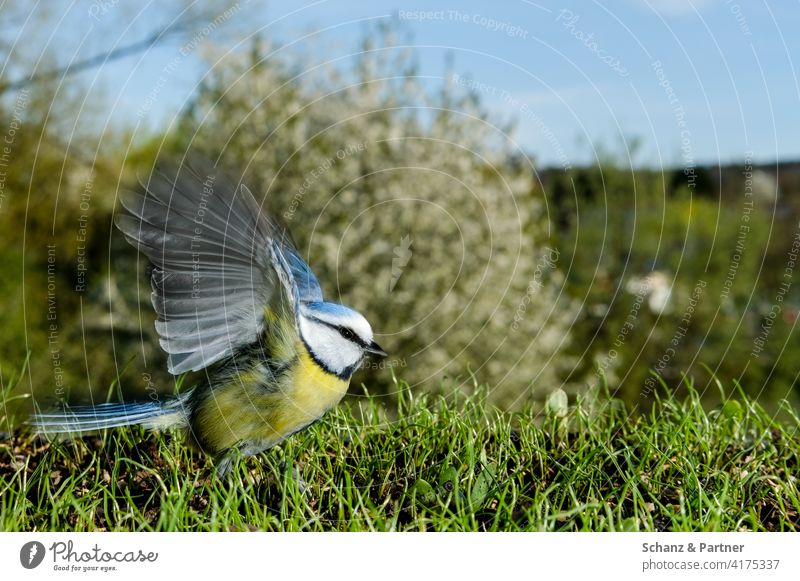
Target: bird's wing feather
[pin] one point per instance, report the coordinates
(304, 279)
(219, 261)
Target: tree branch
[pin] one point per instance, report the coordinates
(160, 35)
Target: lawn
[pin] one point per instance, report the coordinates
(429, 463)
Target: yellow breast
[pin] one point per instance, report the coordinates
(313, 391)
(242, 410)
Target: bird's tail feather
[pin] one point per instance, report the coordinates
(151, 414)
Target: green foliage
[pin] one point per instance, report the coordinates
(719, 261)
(435, 465)
(55, 213)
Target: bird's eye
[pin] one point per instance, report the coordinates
(347, 334)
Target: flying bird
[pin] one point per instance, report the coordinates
(234, 298)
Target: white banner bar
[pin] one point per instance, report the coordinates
(330, 556)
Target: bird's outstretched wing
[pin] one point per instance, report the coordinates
(219, 261)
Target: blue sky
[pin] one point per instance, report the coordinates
(694, 80)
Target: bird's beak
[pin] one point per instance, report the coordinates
(375, 349)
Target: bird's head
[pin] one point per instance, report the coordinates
(337, 337)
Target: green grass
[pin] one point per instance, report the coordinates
(434, 466)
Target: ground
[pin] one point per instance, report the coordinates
(429, 463)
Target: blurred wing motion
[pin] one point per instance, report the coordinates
(219, 263)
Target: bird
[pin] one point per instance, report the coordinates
(234, 299)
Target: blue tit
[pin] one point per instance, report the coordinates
(233, 298)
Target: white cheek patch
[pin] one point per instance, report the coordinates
(352, 320)
(329, 347)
